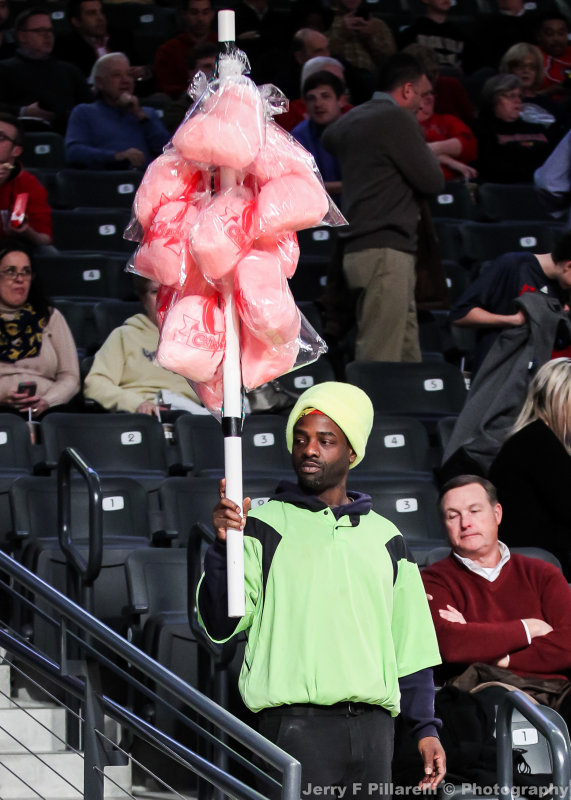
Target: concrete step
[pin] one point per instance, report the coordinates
(39, 729)
(58, 776)
(4, 686)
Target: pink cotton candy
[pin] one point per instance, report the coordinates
(168, 177)
(291, 203)
(261, 364)
(286, 248)
(223, 233)
(163, 256)
(192, 339)
(211, 393)
(228, 130)
(281, 155)
(264, 300)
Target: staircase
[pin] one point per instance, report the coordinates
(34, 761)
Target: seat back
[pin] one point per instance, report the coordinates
(110, 314)
(396, 445)
(425, 390)
(43, 149)
(156, 582)
(516, 201)
(15, 444)
(79, 275)
(97, 188)
(482, 241)
(301, 379)
(454, 202)
(119, 443)
(91, 230)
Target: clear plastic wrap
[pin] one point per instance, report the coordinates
(192, 338)
(223, 233)
(169, 177)
(226, 127)
(291, 202)
(285, 248)
(264, 300)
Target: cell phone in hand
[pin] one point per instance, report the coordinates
(27, 387)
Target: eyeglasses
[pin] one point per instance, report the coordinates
(12, 273)
(5, 138)
(37, 30)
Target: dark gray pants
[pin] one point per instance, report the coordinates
(344, 752)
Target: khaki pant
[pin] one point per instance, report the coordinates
(386, 311)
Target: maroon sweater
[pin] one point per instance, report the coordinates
(526, 588)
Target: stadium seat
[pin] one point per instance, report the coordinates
(445, 426)
(454, 202)
(43, 149)
(438, 553)
(201, 445)
(91, 230)
(310, 277)
(79, 275)
(112, 444)
(396, 445)
(409, 502)
(317, 242)
(516, 201)
(16, 460)
(426, 391)
(96, 188)
(457, 279)
(133, 17)
(301, 379)
(483, 241)
(79, 315)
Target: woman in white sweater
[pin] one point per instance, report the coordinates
(38, 358)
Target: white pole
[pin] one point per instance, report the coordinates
(232, 378)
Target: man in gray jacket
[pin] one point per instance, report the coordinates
(386, 165)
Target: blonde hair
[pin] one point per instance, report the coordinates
(515, 55)
(549, 399)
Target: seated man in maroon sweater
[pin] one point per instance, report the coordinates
(498, 615)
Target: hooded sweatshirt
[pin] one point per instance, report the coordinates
(124, 373)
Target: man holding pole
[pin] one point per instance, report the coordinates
(340, 638)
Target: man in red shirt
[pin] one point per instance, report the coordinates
(36, 227)
(507, 615)
(553, 41)
(171, 59)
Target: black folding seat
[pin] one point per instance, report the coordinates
(78, 188)
(92, 230)
(78, 275)
(454, 202)
(485, 240)
(16, 460)
(396, 445)
(302, 378)
(113, 444)
(110, 314)
(409, 502)
(426, 391)
(43, 149)
(511, 201)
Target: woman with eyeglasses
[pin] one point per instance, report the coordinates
(509, 148)
(38, 359)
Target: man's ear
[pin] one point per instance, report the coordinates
(498, 513)
(17, 150)
(352, 455)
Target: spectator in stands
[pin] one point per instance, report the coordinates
(36, 345)
(33, 84)
(7, 41)
(89, 39)
(316, 554)
(324, 96)
(446, 39)
(535, 463)
(495, 33)
(358, 38)
(450, 95)
(507, 615)
(488, 303)
(171, 59)
(553, 181)
(526, 62)
(509, 148)
(201, 59)
(451, 141)
(306, 44)
(297, 111)
(386, 166)
(115, 130)
(124, 375)
(36, 227)
(553, 41)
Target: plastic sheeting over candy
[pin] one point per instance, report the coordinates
(290, 203)
(228, 128)
(264, 300)
(223, 233)
(281, 155)
(168, 177)
(163, 256)
(285, 248)
(192, 338)
(261, 364)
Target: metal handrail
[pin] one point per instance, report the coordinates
(87, 570)
(548, 723)
(96, 631)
